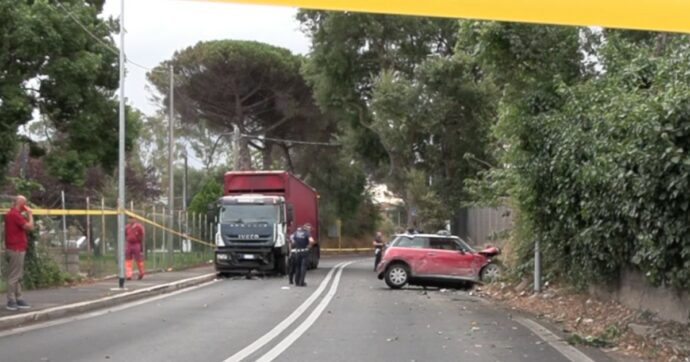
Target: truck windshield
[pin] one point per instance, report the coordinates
(239, 214)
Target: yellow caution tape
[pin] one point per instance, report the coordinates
(70, 212)
(659, 15)
(81, 212)
(175, 232)
(346, 249)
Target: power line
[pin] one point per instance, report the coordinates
(99, 40)
(262, 138)
(142, 66)
(115, 51)
(104, 44)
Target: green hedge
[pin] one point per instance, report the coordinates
(603, 179)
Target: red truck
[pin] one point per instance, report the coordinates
(257, 214)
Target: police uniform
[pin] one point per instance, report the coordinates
(378, 251)
(301, 255)
(291, 269)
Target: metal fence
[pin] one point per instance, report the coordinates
(482, 225)
(82, 239)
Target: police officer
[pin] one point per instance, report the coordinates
(378, 248)
(301, 242)
(291, 269)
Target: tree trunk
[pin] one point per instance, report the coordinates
(267, 154)
(245, 159)
(286, 151)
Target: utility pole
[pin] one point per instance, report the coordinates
(121, 158)
(537, 267)
(184, 203)
(184, 184)
(171, 171)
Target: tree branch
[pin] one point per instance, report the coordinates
(277, 124)
(256, 146)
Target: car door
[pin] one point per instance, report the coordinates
(447, 258)
(412, 249)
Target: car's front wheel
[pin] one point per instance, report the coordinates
(491, 272)
(397, 275)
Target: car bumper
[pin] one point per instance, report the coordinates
(381, 268)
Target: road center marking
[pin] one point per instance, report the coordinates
(302, 328)
(570, 352)
(282, 326)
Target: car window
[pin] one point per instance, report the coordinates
(411, 242)
(463, 246)
(443, 244)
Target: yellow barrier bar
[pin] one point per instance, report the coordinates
(659, 15)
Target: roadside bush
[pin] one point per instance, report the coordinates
(596, 163)
(40, 270)
(603, 179)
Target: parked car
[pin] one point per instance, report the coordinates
(424, 259)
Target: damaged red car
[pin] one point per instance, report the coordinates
(428, 259)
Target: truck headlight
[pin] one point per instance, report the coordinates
(222, 256)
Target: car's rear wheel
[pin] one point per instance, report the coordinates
(397, 275)
(491, 272)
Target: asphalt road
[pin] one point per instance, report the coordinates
(344, 314)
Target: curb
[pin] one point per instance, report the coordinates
(105, 302)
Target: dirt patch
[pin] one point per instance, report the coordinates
(625, 333)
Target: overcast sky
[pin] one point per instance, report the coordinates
(157, 28)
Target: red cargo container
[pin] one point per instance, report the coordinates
(303, 198)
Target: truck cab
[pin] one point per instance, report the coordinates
(252, 233)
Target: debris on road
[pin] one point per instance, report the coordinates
(609, 325)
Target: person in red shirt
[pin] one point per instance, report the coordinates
(16, 242)
(134, 234)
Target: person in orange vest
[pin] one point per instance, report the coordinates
(134, 234)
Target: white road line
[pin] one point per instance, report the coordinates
(101, 312)
(302, 328)
(43, 312)
(282, 326)
(570, 352)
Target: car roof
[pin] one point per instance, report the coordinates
(429, 235)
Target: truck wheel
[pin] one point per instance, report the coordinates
(314, 257)
(281, 264)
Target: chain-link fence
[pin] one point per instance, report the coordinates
(82, 238)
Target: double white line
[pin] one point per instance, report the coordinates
(299, 330)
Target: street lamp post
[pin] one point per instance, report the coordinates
(121, 158)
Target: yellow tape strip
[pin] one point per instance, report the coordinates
(75, 212)
(660, 15)
(347, 249)
(183, 235)
(79, 212)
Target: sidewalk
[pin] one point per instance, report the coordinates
(58, 302)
